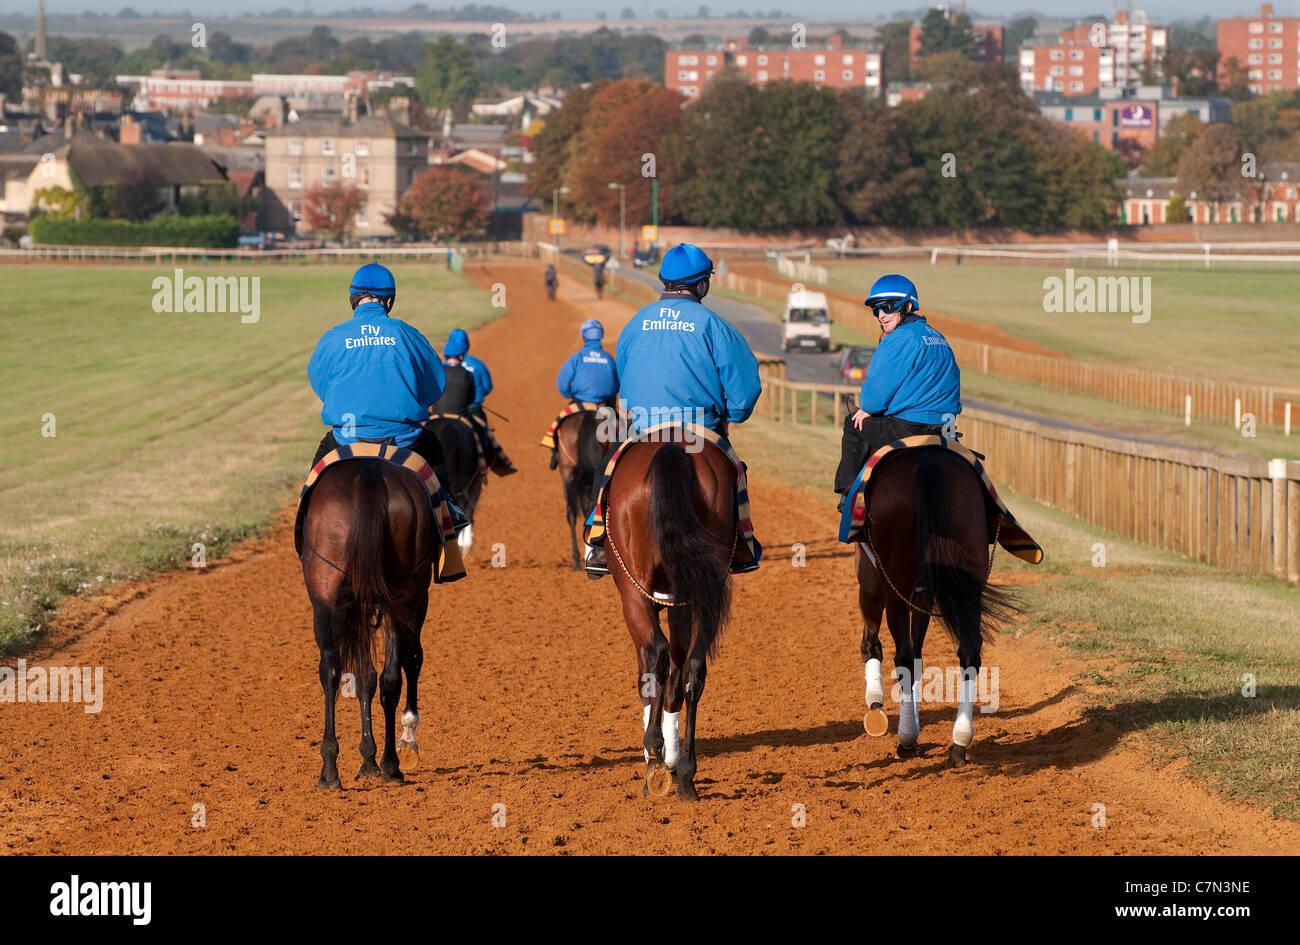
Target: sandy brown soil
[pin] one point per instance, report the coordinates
(949, 325)
(529, 701)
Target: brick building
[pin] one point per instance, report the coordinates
(1266, 46)
(1087, 58)
(832, 65)
(1272, 197)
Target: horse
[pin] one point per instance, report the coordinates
(580, 444)
(369, 549)
(929, 530)
(461, 448)
(671, 530)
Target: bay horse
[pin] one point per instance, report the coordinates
(368, 556)
(929, 532)
(670, 533)
(460, 448)
(581, 441)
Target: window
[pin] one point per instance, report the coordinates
(1254, 59)
(295, 177)
(1076, 70)
(410, 176)
(1096, 114)
(328, 175)
(363, 177)
(819, 60)
(326, 145)
(1076, 86)
(362, 219)
(682, 75)
(295, 146)
(412, 148)
(1275, 59)
(363, 147)
(1275, 74)
(689, 61)
(695, 75)
(1256, 27)
(742, 60)
(1069, 114)
(847, 75)
(1057, 55)
(762, 75)
(711, 61)
(1255, 74)
(1275, 44)
(1275, 27)
(295, 210)
(848, 59)
(1256, 44)
(819, 75)
(691, 90)
(1076, 54)
(1057, 70)
(762, 60)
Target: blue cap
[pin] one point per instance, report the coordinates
(893, 288)
(457, 344)
(685, 265)
(592, 330)
(373, 279)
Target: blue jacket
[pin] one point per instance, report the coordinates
(482, 379)
(590, 374)
(676, 354)
(913, 375)
(380, 370)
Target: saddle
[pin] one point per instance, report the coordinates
(449, 565)
(572, 407)
(1010, 534)
(748, 551)
(473, 428)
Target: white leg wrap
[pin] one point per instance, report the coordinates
(465, 538)
(672, 738)
(645, 724)
(875, 688)
(410, 721)
(909, 714)
(963, 730)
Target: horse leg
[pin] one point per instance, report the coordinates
(920, 623)
(652, 682)
(330, 661)
(696, 670)
(390, 690)
(907, 673)
(963, 729)
(366, 685)
(679, 644)
(871, 604)
(571, 509)
(408, 750)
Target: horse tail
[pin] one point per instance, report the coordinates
(958, 583)
(698, 570)
(591, 455)
(366, 602)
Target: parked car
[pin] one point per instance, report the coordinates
(851, 366)
(596, 254)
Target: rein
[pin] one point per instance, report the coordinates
(880, 565)
(609, 540)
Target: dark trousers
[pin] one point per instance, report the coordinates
(857, 445)
(426, 445)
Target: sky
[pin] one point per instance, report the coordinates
(1157, 10)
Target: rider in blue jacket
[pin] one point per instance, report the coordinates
(590, 373)
(913, 384)
(456, 351)
(376, 375)
(678, 362)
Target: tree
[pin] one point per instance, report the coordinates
(1211, 168)
(759, 37)
(1163, 157)
(1016, 33)
(136, 197)
(941, 34)
(332, 209)
(1193, 69)
(448, 202)
(896, 43)
(876, 178)
(551, 149)
(1077, 178)
(1177, 211)
(1131, 152)
(11, 67)
(447, 76)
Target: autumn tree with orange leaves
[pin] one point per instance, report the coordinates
(332, 209)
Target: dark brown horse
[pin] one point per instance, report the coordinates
(581, 442)
(670, 532)
(930, 531)
(460, 448)
(368, 554)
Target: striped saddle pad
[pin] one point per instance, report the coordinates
(449, 565)
(748, 550)
(576, 406)
(853, 520)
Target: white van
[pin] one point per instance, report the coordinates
(806, 322)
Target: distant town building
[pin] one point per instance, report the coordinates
(833, 65)
(1140, 113)
(1266, 46)
(374, 153)
(1272, 197)
(186, 88)
(1123, 53)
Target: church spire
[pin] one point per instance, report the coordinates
(40, 32)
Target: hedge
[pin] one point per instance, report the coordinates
(204, 231)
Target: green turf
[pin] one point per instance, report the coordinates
(171, 429)
(1235, 325)
(1169, 640)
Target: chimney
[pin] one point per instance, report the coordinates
(284, 111)
(129, 131)
(350, 107)
(1265, 10)
(835, 42)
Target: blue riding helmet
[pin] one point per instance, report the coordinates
(457, 344)
(592, 330)
(684, 265)
(894, 289)
(373, 279)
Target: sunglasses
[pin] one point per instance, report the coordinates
(888, 308)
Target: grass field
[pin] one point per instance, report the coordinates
(170, 429)
(1241, 326)
(1167, 641)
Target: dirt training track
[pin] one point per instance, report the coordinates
(529, 700)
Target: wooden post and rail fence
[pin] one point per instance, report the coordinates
(1226, 511)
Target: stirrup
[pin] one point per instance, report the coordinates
(459, 519)
(595, 562)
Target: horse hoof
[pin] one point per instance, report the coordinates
(368, 770)
(907, 751)
(335, 785)
(408, 755)
(686, 791)
(956, 757)
(876, 722)
(394, 776)
(658, 779)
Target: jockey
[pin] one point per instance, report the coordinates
(550, 274)
(590, 373)
(913, 385)
(376, 377)
(678, 361)
(456, 353)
